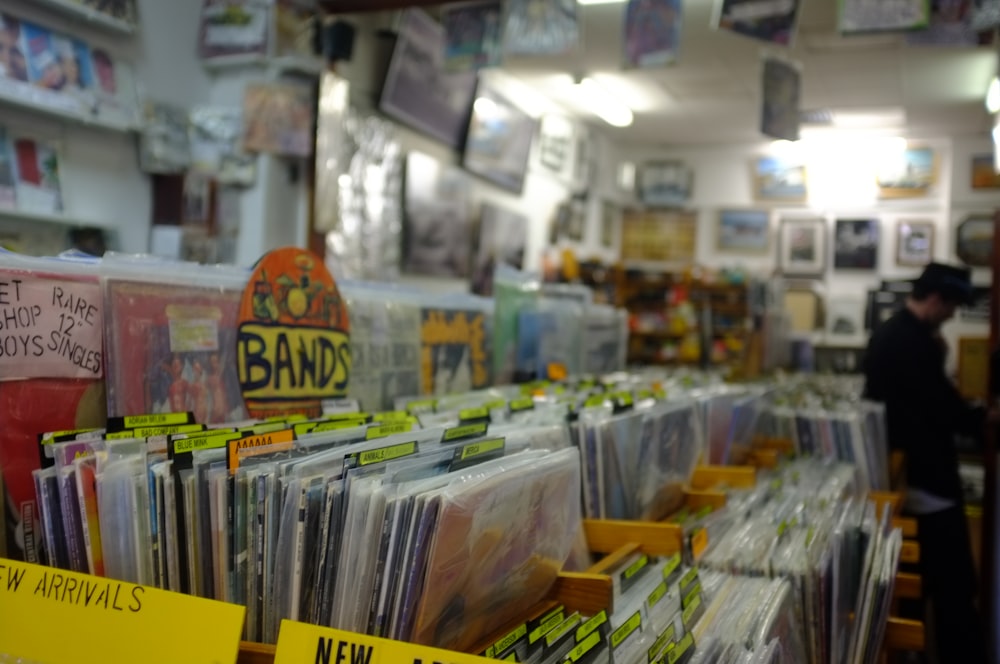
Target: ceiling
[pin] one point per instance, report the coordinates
(712, 94)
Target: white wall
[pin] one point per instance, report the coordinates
(841, 185)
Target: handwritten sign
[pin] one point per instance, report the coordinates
(307, 644)
(50, 328)
(113, 622)
(293, 344)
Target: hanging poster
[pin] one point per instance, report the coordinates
(782, 88)
(472, 35)
(652, 32)
(418, 90)
(500, 241)
(293, 344)
(765, 20)
(438, 225)
(883, 15)
(541, 27)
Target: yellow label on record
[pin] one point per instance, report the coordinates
(518, 405)
(299, 643)
(660, 643)
(658, 593)
(204, 442)
(127, 434)
(117, 622)
(269, 427)
(49, 436)
(586, 628)
(510, 639)
(146, 432)
(386, 430)
(339, 425)
(562, 629)
(635, 567)
(387, 453)
(478, 449)
(156, 420)
(699, 542)
(628, 628)
(672, 564)
(682, 647)
(594, 402)
(285, 437)
(583, 647)
(694, 592)
(391, 416)
(689, 577)
(511, 657)
(422, 405)
(466, 431)
(302, 428)
(688, 613)
(473, 414)
(549, 624)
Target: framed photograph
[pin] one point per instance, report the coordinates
(974, 240)
(664, 236)
(911, 174)
(556, 146)
(611, 221)
(777, 179)
(845, 316)
(984, 175)
(914, 243)
(437, 219)
(419, 91)
(856, 244)
(500, 240)
(747, 231)
(665, 183)
(498, 144)
(803, 246)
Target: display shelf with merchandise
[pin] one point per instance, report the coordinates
(277, 66)
(94, 17)
(61, 219)
(63, 107)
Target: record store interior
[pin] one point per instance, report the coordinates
(545, 331)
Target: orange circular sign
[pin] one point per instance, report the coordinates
(293, 344)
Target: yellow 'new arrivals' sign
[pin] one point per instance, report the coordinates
(109, 622)
(307, 644)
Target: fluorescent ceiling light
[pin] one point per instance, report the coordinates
(604, 105)
(993, 96)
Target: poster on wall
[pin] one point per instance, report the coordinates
(744, 231)
(765, 20)
(541, 27)
(500, 241)
(803, 246)
(472, 35)
(666, 236)
(278, 119)
(856, 244)
(910, 173)
(779, 179)
(418, 90)
(882, 16)
(652, 32)
(782, 90)
(437, 234)
(456, 350)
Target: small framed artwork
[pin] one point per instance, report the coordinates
(914, 243)
(803, 246)
(984, 175)
(777, 179)
(845, 317)
(856, 244)
(746, 231)
(910, 174)
(974, 240)
(665, 183)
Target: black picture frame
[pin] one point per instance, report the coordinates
(856, 244)
(498, 142)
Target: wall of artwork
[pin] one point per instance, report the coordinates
(850, 227)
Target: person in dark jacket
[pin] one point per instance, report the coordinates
(905, 369)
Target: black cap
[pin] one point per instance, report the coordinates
(952, 282)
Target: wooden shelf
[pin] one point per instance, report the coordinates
(93, 17)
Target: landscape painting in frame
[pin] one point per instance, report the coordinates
(803, 246)
(746, 231)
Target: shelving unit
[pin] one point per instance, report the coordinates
(46, 218)
(278, 65)
(93, 17)
(63, 107)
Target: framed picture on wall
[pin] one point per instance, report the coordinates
(611, 221)
(845, 316)
(974, 240)
(665, 236)
(665, 183)
(745, 231)
(914, 243)
(979, 310)
(984, 175)
(778, 179)
(856, 244)
(909, 174)
(499, 140)
(803, 246)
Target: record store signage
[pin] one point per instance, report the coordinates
(293, 345)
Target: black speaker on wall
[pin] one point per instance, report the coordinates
(338, 41)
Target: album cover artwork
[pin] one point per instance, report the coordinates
(176, 350)
(456, 350)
